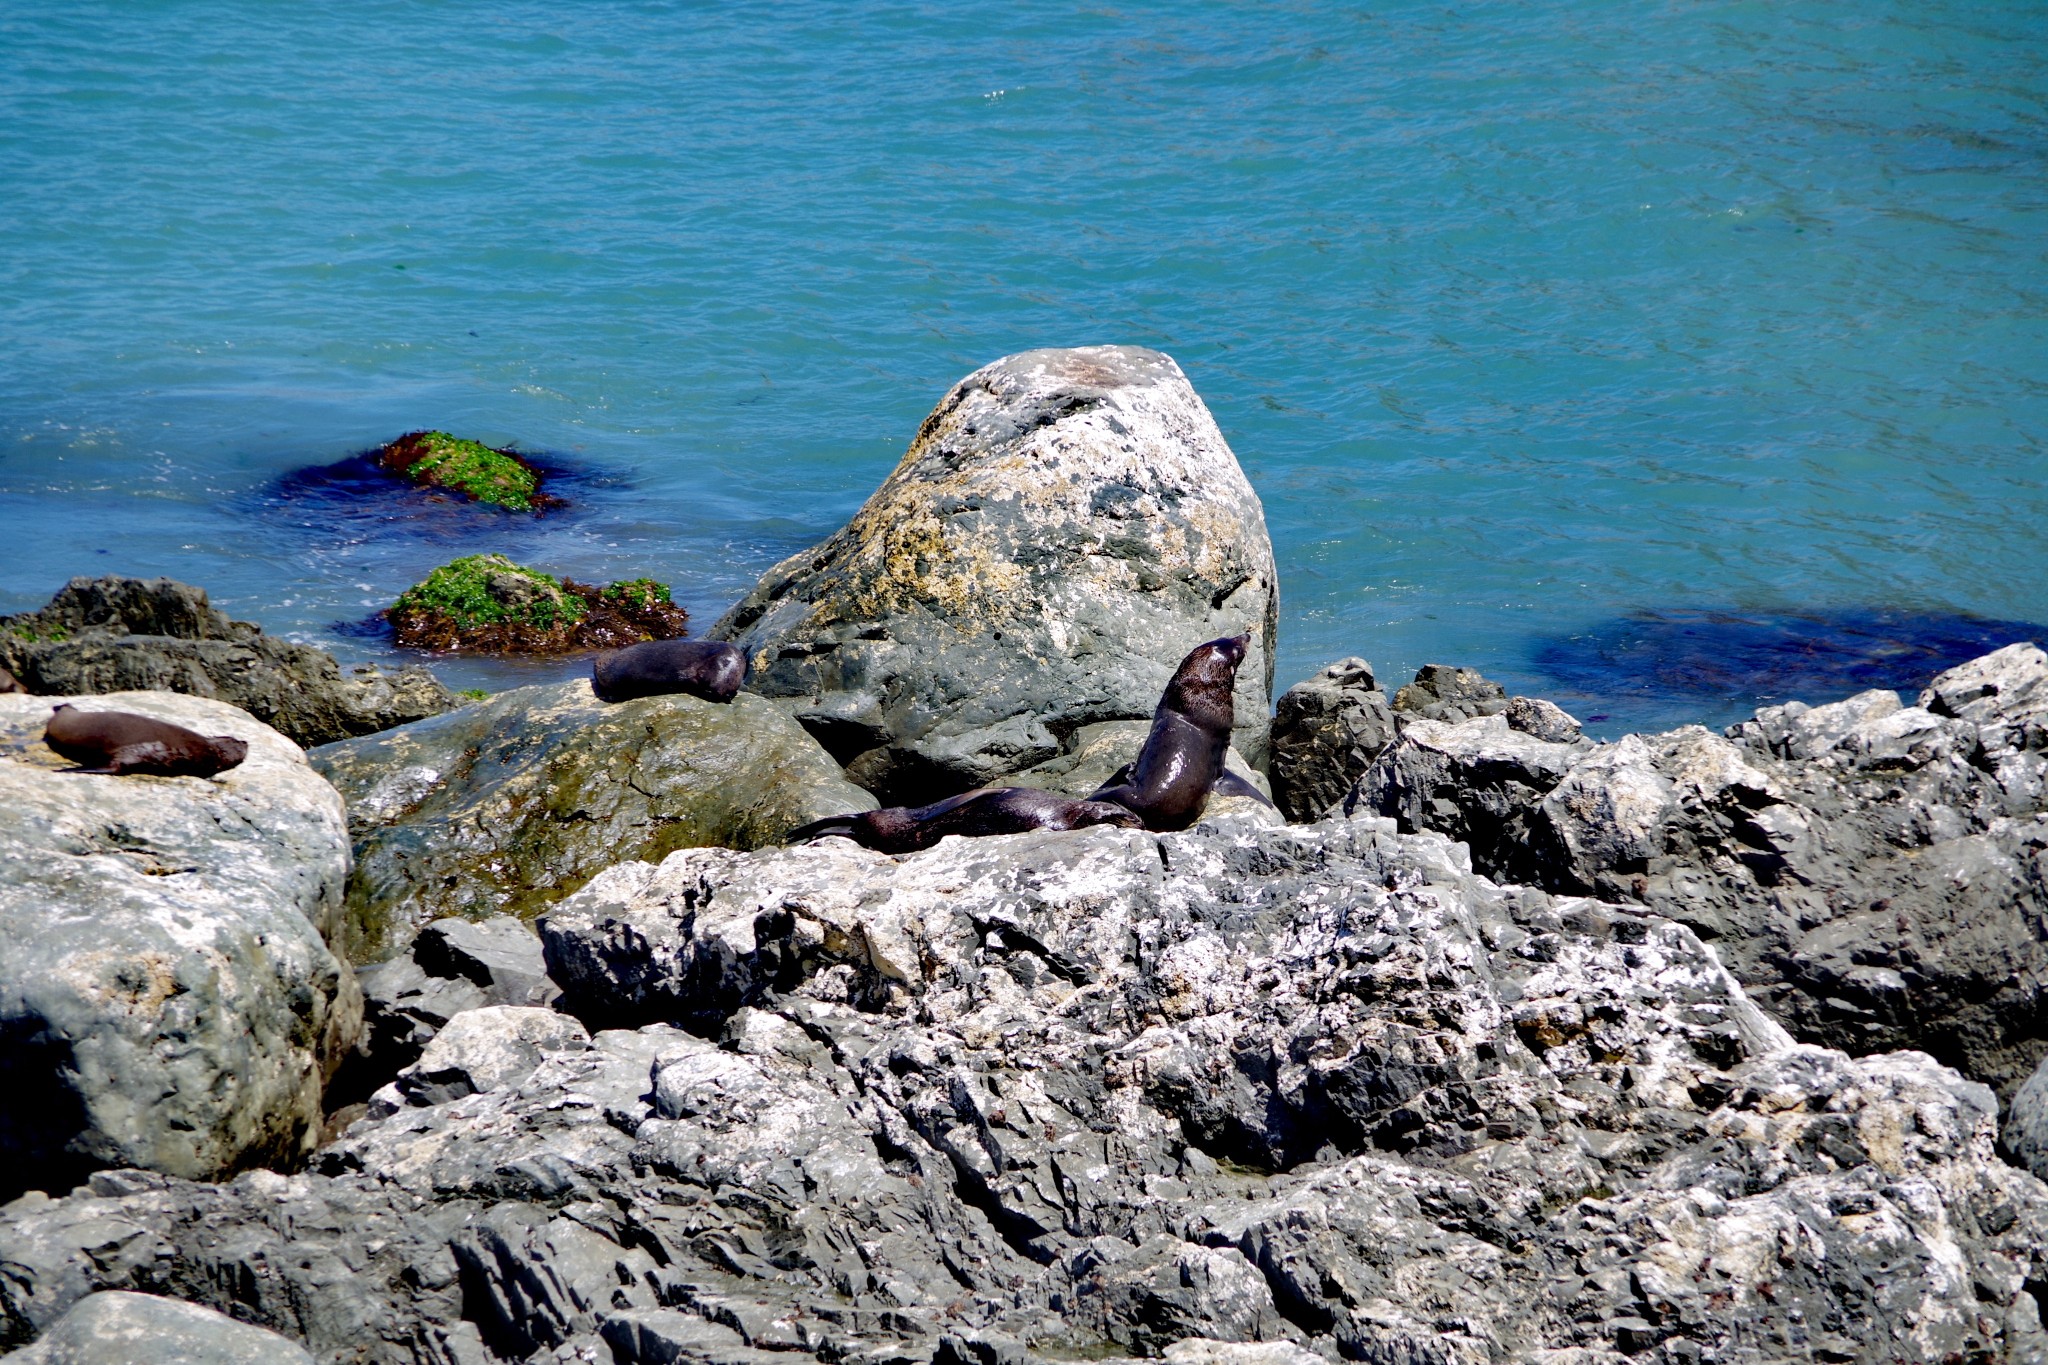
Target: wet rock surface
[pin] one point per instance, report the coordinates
(1064, 528)
(507, 805)
(1243, 1093)
(112, 634)
(168, 998)
(1873, 872)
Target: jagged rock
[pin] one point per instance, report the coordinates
(1244, 1094)
(505, 806)
(1541, 719)
(1326, 733)
(1877, 874)
(168, 998)
(1443, 693)
(115, 1327)
(101, 635)
(1066, 526)
(2025, 1134)
(1480, 781)
(480, 1050)
(501, 955)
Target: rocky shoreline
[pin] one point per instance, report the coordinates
(516, 1032)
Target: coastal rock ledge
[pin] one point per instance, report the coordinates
(1250, 1093)
(1065, 527)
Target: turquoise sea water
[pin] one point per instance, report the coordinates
(1547, 333)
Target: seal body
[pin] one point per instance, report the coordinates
(711, 669)
(10, 683)
(1000, 810)
(121, 742)
(1182, 761)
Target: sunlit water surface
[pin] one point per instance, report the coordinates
(1597, 346)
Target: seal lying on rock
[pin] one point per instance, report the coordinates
(121, 742)
(1182, 762)
(711, 669)
(1001, 810)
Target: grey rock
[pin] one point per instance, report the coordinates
(1246, 1093)
(101, 635)
(501, 955)
(115, 1327)
(1326, 733)
(1065, 527)
(1542, 720)
(1441, 692)
(1876, 874)
(1480, 781)
(481, 1050)
(507, 805)
(2025, 1134)
(168, 998)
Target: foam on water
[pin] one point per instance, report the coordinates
(1521, 320)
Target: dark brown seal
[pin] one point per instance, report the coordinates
(10, 683)
(711, 669)
(122, 742)
(1000, 810)
(1182, 761)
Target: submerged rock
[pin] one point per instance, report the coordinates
(509, 804)
(1240, 1094)
(1065, 527)
(1872, 871)
(168, 998)
(139, 635)
(486, 604)
(434, 459)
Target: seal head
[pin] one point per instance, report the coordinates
(1182, 761)
(121, 742)
(711, 669)
(999, 810)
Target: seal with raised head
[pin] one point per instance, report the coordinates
(711, 669)
(121, 742)
(998, 810)
(1182, 762)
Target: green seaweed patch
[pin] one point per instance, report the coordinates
(435, 459)
(636, 594)
(474, 693)
(21, 630)
(488, 604)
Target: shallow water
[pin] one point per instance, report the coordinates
(1524, 321)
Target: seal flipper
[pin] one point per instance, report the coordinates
(1228, 783)
(842, 825)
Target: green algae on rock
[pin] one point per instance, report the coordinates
(434, 459)
(488, 604)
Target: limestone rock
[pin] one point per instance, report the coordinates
(115, 1327)
(112, 634)
(507, 805)
(168, 998)
(1326, 732)
(1065, 527)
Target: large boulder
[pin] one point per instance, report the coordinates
(153, 634)
(168, 998)
(1065, 527)
(116, 1327)
(507, 805)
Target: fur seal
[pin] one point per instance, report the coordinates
(10, 683)
(999, 810)
(121, 742)
(1182, 762)
(711, 669)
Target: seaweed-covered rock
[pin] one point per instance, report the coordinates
(506, 805)
(1244, 1094)
(1326, 732)
(168, 998)
(1065, 527)
(157, 635)
(486, 604)
(434, 459)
